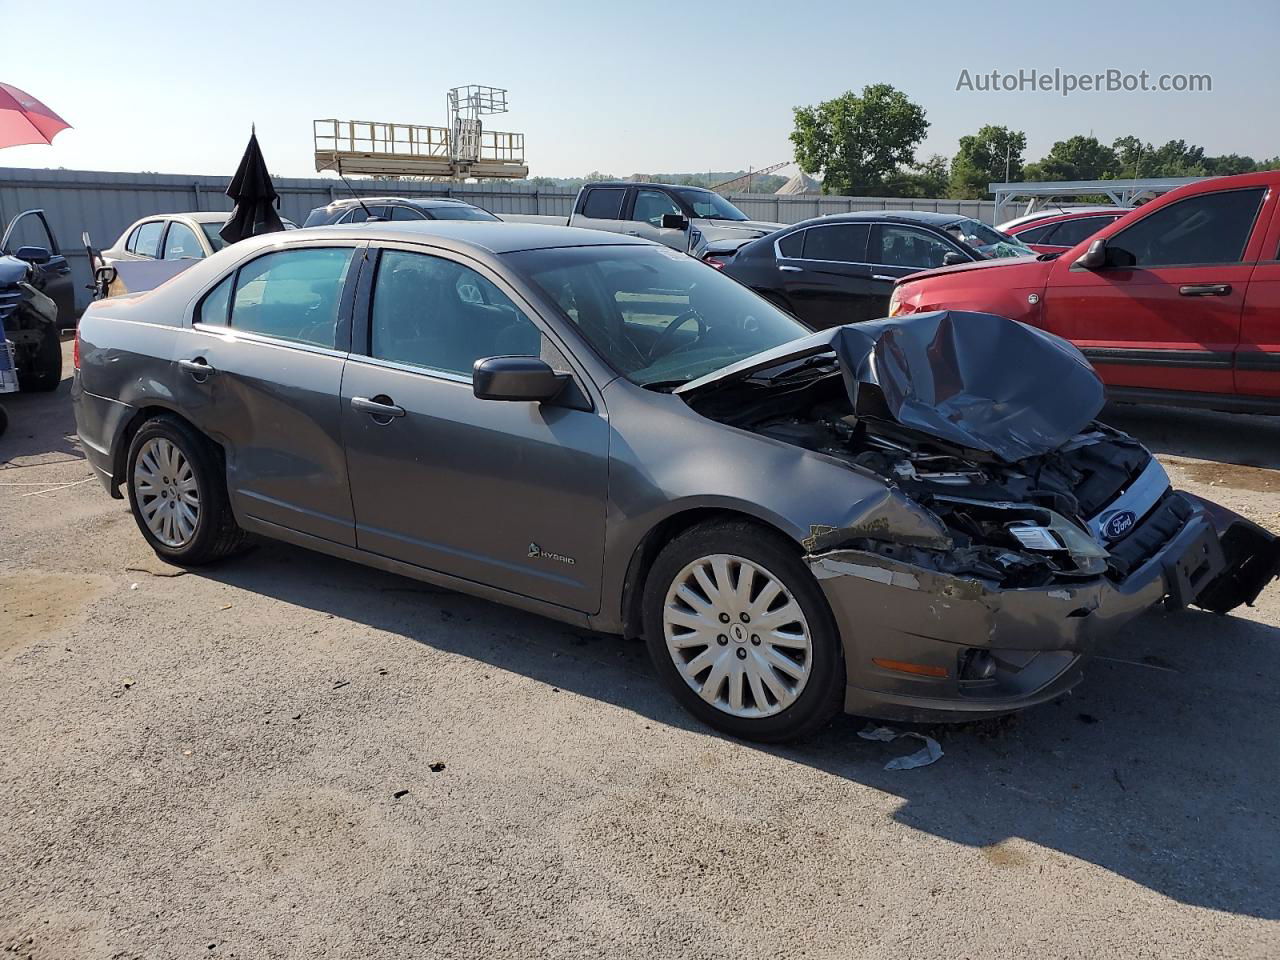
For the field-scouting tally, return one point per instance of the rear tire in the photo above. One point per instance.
(178, 493)
(729, 605)
(45, 371)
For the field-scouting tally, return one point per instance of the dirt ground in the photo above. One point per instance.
(291, 756)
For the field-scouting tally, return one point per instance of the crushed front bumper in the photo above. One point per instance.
(1037, 638)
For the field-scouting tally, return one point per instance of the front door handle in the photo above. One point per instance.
(379, 407)
(1205, 290)
(881, 276)
(198, 368)
(786, 268)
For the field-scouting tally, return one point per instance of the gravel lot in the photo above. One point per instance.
(292, 756)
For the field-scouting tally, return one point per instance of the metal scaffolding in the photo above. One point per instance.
(1123, 193)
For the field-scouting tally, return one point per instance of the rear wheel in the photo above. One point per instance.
(44, 372)
(178, 494)
(739, 631)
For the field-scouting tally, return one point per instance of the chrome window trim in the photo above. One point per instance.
(434, 373)
(779, 255)
(233, 333)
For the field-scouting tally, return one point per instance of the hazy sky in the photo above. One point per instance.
(620, 88)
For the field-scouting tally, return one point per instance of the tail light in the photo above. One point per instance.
(75, 349)
(713, 261)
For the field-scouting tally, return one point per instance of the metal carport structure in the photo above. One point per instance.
(1121, 192)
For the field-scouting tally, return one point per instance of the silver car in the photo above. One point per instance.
(914, 519)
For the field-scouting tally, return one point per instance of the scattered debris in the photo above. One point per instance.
(929, 753)
(226, 606)
(340, 684)
(133, 586)
(436, 767)
(399, 793)
(1115, 774)
(128, 682)
(297, 716)
(171, 572)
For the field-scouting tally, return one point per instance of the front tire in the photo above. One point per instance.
(178, 494)
(741, 634)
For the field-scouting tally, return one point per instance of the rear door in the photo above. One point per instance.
(1258, 357)
(507, 494)
(1165, 315)
(260, 370)
(31, 228)
(826, 277)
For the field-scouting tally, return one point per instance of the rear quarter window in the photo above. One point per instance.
(603, 203)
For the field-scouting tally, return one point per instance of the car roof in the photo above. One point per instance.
(646, 183)
(1045, 214)
(489, 236)
(413, 201)
(1112, 211)
(926, 217)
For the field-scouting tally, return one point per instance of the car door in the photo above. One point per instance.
(508, 494)
(825, 276)
(648, 207)
(260, 368)
(600, 208)
(1257, 371)
(1164, 314)
(31, 229)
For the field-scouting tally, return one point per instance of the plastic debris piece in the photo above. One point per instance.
(926, 755)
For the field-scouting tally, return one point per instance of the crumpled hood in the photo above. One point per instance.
(12, 270)
(976, 380)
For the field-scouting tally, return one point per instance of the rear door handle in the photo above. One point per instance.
(198, 368)
(1205, 290)
(786, 268)
(881, 276)
(376, 407)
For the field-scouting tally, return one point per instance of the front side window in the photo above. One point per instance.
(292, 294)
(29, 230)
(988, 241)
(435, 313)
(181, 243)
(652, 205)
(1205, 229)
(840, 242)
(897, 246)
(603, 203)
(146, 239)
(656, 316)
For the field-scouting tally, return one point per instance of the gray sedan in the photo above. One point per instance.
(913, 519)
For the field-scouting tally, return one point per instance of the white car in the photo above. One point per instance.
(1057, 210)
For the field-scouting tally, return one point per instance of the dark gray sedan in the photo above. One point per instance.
(907, 519)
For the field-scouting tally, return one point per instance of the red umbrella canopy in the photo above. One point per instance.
(24, 119)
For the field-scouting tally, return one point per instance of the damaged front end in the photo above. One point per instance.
(1058, 529)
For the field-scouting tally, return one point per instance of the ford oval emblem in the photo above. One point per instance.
(1118, 524)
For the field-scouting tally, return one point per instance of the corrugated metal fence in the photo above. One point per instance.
(105, 203)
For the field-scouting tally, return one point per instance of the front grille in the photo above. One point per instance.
(1150, 535)
(10, 297)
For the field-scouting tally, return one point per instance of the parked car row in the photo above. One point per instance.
(598, 429)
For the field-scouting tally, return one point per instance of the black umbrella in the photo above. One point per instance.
(256, 199)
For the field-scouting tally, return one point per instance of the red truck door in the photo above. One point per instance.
(1164, 312)
(1258, 359)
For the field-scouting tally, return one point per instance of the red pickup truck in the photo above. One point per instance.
(1176, 302)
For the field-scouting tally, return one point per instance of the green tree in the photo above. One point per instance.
(926, 179)
(992, 155)
(858, 142)
(1076, 158)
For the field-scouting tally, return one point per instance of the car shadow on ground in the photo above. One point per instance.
(1246, 440)
(1160, 768)
(29, 437)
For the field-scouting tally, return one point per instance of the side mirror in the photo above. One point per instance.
(529, 379)
(33, 254)
(675, 221)
(953, 258)
(1095, 258)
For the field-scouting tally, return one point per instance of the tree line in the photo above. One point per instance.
(865, 145)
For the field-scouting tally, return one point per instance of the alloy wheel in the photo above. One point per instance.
(168, 497)
(737, 636)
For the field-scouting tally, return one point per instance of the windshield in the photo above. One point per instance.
(988, 241)
(658, 317)
(459, 212)
(710, 206)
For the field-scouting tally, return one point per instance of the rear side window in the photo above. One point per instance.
(145, 241)
(842, 242)
(407, 213)
(1071, 232)
(792, 245)
(1036, 234)
(1205, 229)
(603, 204)
(181, 243)
(213, 309)
(291, 294)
